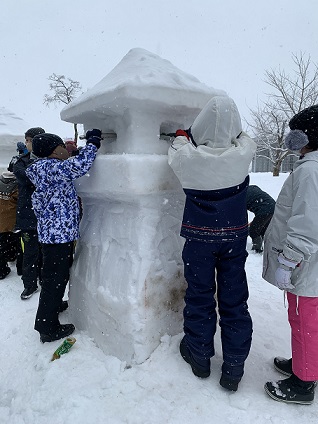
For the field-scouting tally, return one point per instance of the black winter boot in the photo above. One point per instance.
(231, 376)
(257, 244)
(291, 390)
(229, 383)
(64, 306)
(62, 331)
(28, 292)
(200, 367)
(5, 273)
(284, 366)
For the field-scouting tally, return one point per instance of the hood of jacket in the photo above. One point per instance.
(218, 124)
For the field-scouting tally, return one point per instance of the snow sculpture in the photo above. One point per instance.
(127, 283)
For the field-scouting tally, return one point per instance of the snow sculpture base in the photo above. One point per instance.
(127, 279)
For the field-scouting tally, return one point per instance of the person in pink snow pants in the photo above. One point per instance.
(291, 261)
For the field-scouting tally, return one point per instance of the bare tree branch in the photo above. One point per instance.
(64, 91)
(292, 93)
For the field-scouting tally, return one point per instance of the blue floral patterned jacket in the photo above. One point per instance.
(55, 201)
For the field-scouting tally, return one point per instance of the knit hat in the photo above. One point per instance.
(304, 130)
(34, 131)
(44, 144)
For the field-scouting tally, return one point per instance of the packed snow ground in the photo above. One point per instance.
(86, 386)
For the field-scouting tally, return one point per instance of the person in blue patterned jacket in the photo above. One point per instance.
(56, 206)
(211, 160)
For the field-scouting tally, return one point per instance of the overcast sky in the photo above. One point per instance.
(225, 44)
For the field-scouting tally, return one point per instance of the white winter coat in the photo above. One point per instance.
(223, 153)
(293, 229)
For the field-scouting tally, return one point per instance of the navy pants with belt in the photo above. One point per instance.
(215, 273)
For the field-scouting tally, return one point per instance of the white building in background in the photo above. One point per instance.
(12, 129)
(127, 282)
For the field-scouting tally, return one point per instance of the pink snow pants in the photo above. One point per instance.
(303, 320)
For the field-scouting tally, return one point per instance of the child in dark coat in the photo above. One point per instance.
(56, 207)
(211, 161)
(26, 220)
(262, 205)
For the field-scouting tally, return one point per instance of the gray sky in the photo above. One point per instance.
(225, 44)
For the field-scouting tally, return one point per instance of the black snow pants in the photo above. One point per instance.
(32, 259)
(57, 260)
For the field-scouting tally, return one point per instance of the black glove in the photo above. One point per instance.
(94, 137)
(93, 133)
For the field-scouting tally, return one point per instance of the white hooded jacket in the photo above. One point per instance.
(213, 171)
(223, 153)
(293, 229)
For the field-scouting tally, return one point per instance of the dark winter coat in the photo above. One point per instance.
(259, 202)
(26, 219)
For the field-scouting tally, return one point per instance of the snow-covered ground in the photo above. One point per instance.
(86, 386)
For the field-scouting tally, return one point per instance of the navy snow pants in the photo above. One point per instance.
(215, 273)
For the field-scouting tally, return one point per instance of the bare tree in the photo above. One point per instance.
(65, 90)
(270, 126)
(291, 95)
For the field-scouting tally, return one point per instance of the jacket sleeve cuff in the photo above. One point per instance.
(292, 254)
(179, 142)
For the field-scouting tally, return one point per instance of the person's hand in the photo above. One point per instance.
(182, 133)
(93, 133)
(284, 272)
(283, 278)
(20, 146)
(94, 137)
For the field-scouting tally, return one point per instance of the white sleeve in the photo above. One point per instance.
(302, 229)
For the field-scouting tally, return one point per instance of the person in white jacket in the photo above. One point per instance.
(211, 160)
(291, 261)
